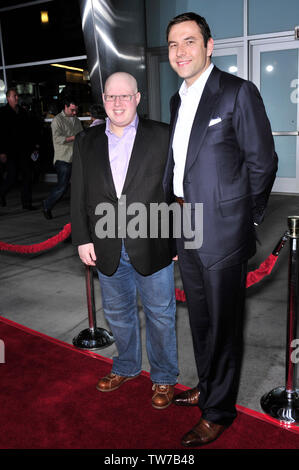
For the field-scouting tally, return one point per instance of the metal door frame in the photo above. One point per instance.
(283, 185)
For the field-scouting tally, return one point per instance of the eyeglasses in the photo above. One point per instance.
(121, 97)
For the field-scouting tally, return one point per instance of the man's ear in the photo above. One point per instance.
(138, 97)
(210, 47)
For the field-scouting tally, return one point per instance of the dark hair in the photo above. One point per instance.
(68, 100)
(97, 111)
(190, 16)
(9, 90)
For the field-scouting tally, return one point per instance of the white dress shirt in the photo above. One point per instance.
(190, 98)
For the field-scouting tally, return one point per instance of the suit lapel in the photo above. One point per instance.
(174, 111)
(141, 144)
(203, 116)
(101, 168)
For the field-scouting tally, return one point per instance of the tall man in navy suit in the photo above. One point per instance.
(222, 155)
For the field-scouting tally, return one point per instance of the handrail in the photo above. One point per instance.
(286, 133)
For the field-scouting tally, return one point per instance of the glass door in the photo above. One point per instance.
(229, 58)
(275, 71)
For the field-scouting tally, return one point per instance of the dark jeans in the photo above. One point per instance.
(119, 297)
(63, 170)
(13, 168)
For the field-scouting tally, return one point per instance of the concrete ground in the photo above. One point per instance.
(46, 292)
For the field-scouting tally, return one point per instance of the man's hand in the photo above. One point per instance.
(3, 158)
(70, 139)
(87, 254)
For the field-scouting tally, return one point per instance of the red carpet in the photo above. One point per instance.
(49, 401)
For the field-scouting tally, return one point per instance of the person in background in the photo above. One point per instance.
(18, 141)
(97, 115)
(65, 126)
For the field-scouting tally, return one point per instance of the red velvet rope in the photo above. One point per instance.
(264, 270)
(252, 277)
(46, 245)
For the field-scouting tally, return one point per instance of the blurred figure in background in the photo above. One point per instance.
(18, 142)
(97, 115)
(64, 127)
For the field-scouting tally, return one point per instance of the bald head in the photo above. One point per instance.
(121, 78)
(121, 98)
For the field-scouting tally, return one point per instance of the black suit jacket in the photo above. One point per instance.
(230, 167)
(19, 133)
(92, 184)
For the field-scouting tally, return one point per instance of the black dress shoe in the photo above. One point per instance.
(187, 398)
(202, 433)
(29, 207)
(47, 213)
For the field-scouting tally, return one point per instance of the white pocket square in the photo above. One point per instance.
(214, 121)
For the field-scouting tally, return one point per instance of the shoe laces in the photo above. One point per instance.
(160, 388)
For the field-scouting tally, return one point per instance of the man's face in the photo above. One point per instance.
(120, 113)
(71, 110)
(187, 53)
(13, 99)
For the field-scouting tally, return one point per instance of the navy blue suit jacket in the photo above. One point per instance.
(230, 167)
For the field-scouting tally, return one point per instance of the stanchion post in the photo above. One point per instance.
(90, 299)
(283, 402)
(93, 337)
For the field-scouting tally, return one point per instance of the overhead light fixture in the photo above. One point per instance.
(44, 17)
(67, 67)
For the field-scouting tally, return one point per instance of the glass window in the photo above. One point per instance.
(27, 39)
(227, 63)
(44, 86)
(270, 16)
(224, 18)
(286, 150)
(278, 71)
(41, 89)
(158, 15)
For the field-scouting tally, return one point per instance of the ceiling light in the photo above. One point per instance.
(67, 67)
(44, 17)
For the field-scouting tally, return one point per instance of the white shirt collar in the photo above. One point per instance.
(198, 85)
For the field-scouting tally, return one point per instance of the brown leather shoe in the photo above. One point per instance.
(112, 382)
(202, 433)
(163, 395)
(187, 398)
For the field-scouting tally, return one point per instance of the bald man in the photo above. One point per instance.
(117, 169)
